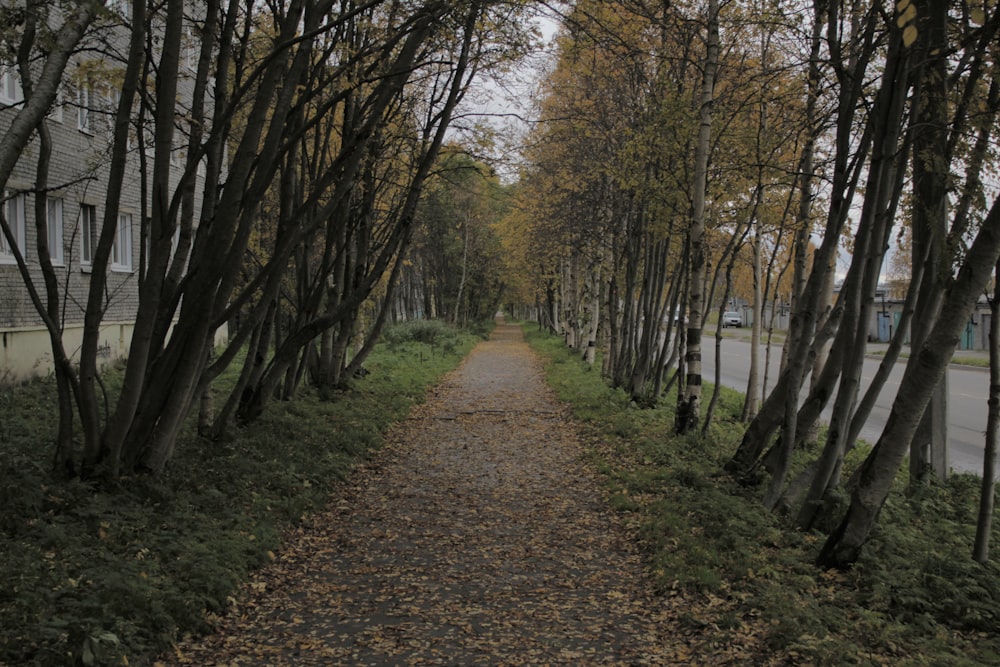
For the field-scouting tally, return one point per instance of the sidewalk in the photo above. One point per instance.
(477, 537)
(971, 359)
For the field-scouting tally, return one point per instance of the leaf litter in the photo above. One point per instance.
(477, 536)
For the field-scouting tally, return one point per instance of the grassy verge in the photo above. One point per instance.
(749, 587)
(959, 360)
(112, 577)
(971, 361)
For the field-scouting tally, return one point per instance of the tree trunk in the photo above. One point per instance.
(64, 464)
(592, 311)
(885, 182)
(456, 316)
(777, 408)
(160, 234)
(751, 401)
(888, 362)
(931, 173)
(258, 340)
(688, 417)
(717, 380)
(987, 494)
(923, 372)
(376, 330)
(39, 94)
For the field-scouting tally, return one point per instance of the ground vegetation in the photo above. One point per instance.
(97, 577)
(744, 581)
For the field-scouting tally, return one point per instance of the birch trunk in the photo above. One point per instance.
(688, 416)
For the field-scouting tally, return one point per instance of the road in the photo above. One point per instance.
(967, 386)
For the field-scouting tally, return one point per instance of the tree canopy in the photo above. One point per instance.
(691, 157)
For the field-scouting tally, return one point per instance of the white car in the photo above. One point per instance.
(731, 319)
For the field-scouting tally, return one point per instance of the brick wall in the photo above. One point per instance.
(78, 177)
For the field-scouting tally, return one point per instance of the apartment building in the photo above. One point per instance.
(80, 126)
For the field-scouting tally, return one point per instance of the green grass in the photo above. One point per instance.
(982, 362)
(915, 597)
(98, 577)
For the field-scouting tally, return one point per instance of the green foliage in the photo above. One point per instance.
(913, 571)
(915, 597)
(455, 242)
(435, 333)
(97, 576)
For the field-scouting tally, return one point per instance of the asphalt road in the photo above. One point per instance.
(968, 387)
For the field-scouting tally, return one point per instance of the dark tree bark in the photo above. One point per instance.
(923, 372)
(931, 170)
(780, 407)
(987, 494)
(39, 95)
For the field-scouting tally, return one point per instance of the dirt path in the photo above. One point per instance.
(476, 537)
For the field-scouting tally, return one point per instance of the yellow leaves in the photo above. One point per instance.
(906, 14)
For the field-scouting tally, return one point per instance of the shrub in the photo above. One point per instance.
(430, 332)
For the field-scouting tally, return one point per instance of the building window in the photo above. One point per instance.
(88, 225)
(114, 98)
(54, 221)
(121, 7)
(10, 86)
(190, 49)
(84, 112)
(121, 252)
(56, 112)
(13, 211)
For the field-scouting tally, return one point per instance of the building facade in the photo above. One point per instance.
(73, 202)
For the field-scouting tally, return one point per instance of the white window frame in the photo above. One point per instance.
(14, 212)
(54, 209)
(111, 98)
(191, 49)
(84, 108)
(11, 93)
(114, 98)
(121, 251)
(121, 7)
(87, 224)
(56, 112)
